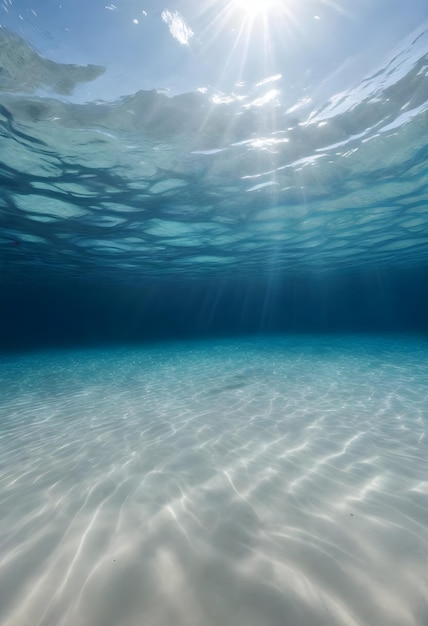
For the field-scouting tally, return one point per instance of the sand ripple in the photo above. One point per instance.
(280, 482)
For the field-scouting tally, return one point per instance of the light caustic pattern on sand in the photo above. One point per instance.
(280, 482)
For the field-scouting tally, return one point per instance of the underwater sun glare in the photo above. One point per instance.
(255, 8)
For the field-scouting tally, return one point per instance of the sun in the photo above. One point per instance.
(256, 8)
(253, 33)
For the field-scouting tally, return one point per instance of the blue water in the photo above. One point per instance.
(213, 313)
(191, 187)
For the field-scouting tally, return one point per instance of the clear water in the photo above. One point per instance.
(152, 187)
(261, 481)
(199, 171)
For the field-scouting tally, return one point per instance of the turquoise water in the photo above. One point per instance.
(260, 481)
(213, 313)
(199, 186)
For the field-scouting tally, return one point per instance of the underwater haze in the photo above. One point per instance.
(214, 313)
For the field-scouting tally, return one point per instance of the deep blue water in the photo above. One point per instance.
(189, 213)
(213, 314)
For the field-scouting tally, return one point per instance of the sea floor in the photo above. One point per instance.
(255, 482)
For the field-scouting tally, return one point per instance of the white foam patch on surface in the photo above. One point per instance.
(254, 482)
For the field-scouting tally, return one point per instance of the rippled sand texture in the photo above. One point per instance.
(255, 483)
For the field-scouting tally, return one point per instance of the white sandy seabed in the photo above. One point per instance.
(279, 482)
